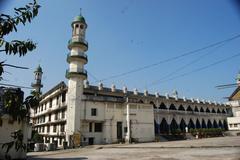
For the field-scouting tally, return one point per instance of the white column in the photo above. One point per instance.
(128, 135)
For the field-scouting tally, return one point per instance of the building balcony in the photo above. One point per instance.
(79, 57)
(78, 73)
(78, 42)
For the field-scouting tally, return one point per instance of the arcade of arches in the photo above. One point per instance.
(174, 116)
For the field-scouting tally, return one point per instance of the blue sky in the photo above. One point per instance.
(124, 35)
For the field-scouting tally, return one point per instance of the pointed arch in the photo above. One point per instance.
(198, 125)
(181, 108)
(182, 125)
(213, 110)
(223, 111)
(196, 109)
(191, 124)
(153, 104)
(215, 125)
(207, 110)
(162, 106)
(172, 107)
(218, 110)
(220, 124)
(204, 124)
(140, 101)
(201, 110)
(209, 124)
(189, 108)
(173, 125)
(164, 127)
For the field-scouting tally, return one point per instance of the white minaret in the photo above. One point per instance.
(37, 85)
(76, 74)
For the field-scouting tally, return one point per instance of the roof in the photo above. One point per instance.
(235, 95)
(38, 69)
(79, 19)
(58, 86)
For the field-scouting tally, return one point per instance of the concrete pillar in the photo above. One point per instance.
(128, 135)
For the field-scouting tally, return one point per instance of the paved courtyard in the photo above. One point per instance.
(224, 148)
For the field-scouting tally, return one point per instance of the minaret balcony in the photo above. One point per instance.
(82, 73)
(79, 57)
(78, 42)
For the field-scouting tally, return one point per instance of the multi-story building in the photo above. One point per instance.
(85, 114)
(234, 102)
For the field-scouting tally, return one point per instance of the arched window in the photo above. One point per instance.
(223, 111)
(162, 106)
(191, 124)
(164, 127)
(189, 108)
(218, 110)
(215, 125)
(172, 107)
(181, 108)
(201, 109)
(207, 110)
(198, 125)
(154, 106)
(182, 125)
(213, 110)
(173, 126)
(196, 109)
(204, 124)
(209, 124)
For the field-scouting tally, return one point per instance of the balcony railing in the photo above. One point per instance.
(78, 72)
(77, 41)
(76, 57)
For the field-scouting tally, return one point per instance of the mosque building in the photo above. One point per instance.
(84, 114)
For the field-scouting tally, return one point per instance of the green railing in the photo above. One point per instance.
(80, 56)
(75, 73)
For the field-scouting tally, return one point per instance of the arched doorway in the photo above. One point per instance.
(198, 125)
(182, 125)
(209, 124)
(191, 124)
(173, 126)
(220, 124)
(225, 125)
(164, 127)
(204, 124)
(215, 125)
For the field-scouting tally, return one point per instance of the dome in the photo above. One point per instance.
(38, 69)
(80, 19)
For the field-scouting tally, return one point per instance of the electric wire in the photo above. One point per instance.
(187, 65)
(201, 68)
(170, 59)
(12, 85)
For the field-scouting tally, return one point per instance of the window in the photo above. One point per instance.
(98, 127)
(94, 112)
(57, 100)
(41, 107)
(62, 127)
(49, 118)
(56, 116)
(63, 97)
(43, 129)
(43, 118)
(48, 129)
(90, 127)
(125, 129)
(63, 114)
(235, 125)
(50, 103)
(54, 128)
